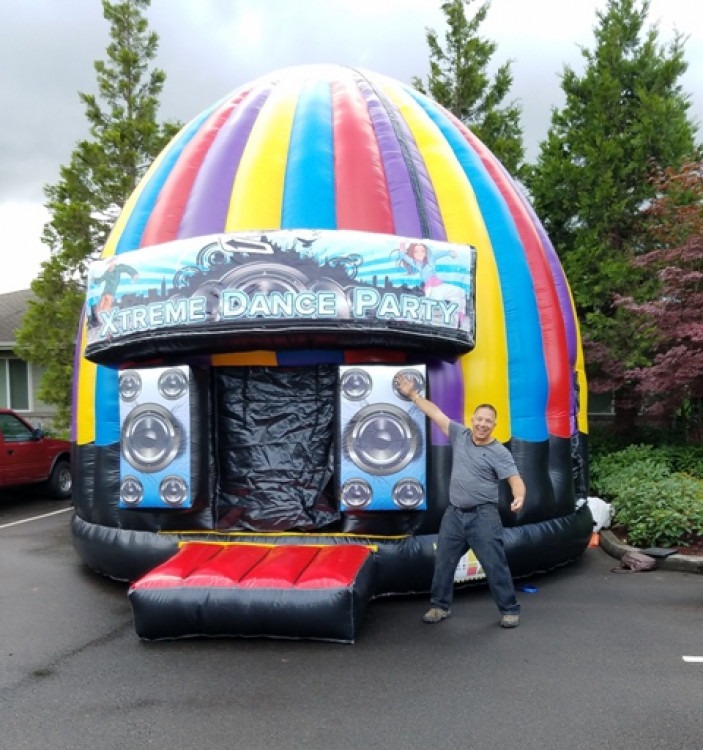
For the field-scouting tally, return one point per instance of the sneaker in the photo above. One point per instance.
(435, 614)
(509, 621)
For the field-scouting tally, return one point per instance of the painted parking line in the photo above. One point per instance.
(35, 518)
(695, 659)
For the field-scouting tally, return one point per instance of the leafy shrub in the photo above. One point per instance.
(634, 464)
(665, 512)
(657, 502)
(687, 459)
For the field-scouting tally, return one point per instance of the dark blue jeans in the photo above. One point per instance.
(481, 530)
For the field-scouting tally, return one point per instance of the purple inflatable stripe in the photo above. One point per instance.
(206, 211)
(560, 283)
(409, 189)
(403, 204)
(437, 230)
(406, 220)
(446, 385)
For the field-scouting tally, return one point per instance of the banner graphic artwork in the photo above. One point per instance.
(299, 279)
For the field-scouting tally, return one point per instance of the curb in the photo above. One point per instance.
(682, 563)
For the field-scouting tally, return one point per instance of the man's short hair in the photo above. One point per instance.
(487, 406)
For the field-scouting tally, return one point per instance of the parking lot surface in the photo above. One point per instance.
(597, 662)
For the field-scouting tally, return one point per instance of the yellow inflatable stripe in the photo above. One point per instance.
(281, 534)
(257, 194)
(580, 367)
(485, 369)
(85, 396)
(185, 543)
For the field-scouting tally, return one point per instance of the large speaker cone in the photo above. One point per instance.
(381, 439)
(151, 437)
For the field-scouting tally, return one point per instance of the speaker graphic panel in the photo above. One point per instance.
(155, 439)
(381, 448)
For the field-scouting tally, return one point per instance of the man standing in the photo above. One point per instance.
(472, 520)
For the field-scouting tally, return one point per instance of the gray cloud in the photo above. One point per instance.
(210, 47)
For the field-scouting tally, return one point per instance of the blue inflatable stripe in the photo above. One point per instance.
(310, 357)
(107, 406)
(527, 371)
(308, 191)
(134, 228)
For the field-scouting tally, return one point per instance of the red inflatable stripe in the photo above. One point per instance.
(361, 190)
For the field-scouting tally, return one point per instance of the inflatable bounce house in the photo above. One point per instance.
(242, 457)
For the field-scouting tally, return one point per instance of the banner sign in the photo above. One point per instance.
(206, 290)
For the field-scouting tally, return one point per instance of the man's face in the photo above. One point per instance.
(482, 424)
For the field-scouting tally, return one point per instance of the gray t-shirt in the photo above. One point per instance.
(476, 469)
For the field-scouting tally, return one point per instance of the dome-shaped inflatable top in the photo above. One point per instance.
(326, 147)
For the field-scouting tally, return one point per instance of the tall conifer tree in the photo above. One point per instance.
(459, 80)
(85, 203)
(625, 116)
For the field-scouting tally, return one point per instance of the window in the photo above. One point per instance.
(600, 403)
(14, 384)
(13, 430)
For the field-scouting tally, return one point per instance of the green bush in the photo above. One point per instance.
(663, 513)
(687, 459)
(657, 502)
(634, 464)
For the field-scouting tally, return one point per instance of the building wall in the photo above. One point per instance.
(19, 381)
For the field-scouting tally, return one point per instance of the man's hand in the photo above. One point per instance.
(405, 385)
(518, 490)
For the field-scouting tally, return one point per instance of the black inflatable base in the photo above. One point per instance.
(248, 590)
(403, 565)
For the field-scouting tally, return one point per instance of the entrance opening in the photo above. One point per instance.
(274, 448)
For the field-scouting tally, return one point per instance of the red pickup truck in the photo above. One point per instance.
(28, 456)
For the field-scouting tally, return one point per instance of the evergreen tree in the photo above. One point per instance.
(624, 118)
(93, 187)
(459, 81)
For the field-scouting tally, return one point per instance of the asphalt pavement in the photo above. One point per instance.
(600, 660)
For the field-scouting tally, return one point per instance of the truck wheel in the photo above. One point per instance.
(61, 481)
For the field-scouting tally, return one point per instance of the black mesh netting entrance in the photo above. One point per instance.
(274, 438)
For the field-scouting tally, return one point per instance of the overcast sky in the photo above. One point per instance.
(211, 47)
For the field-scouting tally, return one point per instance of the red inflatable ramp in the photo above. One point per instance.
(255, 590)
